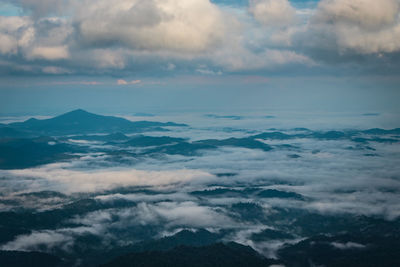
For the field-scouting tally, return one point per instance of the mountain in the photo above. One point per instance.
(347, 249)
(216, 255)
(144, 141)
(273, 193)
(198, 238)
(24, 153)
(8, 132)
(103, 138)
(82, 122)
(378, 131)
(268, 234)
(28, 259)
(236, 142)
(273, 136)
(182, 148)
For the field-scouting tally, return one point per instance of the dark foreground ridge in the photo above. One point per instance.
(28, 259)
(216, 255)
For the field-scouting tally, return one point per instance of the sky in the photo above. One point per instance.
(154, 55)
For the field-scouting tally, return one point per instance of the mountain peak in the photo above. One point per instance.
(78, 111)
(76, 114)
(80, 121)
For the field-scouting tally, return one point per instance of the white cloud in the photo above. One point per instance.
(179, 35)
(66, 180)
(124, 82)
(185, 213)
(38, 240)
(168, 214)
(272, 12)
(107, 58)
(8, 44)
(347, 245)
(185, 26)
(49, 52)
(15, 32)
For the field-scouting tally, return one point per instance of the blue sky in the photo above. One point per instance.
(331, 54)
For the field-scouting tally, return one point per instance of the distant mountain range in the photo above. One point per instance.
(80, 122)
(35, 142)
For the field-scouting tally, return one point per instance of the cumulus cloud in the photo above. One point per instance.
(8, 44)
(49, 52)
(15, 33)
(362, 13)
(272, 12)
(170, 37)
(193, 25)
(142, 35)
(361, 27)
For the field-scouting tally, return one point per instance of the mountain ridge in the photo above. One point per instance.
(80, 121)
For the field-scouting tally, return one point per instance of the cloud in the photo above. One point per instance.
(185, 26)
(244, 60)
(79, 82)
(37, 240)
(8, 45)
(272, 12)
(41, 8)
(146, 198)
(203, 70)
(123, 82)
(62, 179)
(106, 58)
(183, 214)
(49, 52)
(15, 33)
(135, 35)
(176, 37)
(365, 14)
(347, 245)
(169, 214)
(50, 240)
(334, 180)
(347, 28)
(55, 70)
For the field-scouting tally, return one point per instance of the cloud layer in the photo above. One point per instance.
(61, 178)
(106, 36)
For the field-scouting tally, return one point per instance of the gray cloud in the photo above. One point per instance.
(105, 37)
(359, 31)
(142, 35)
